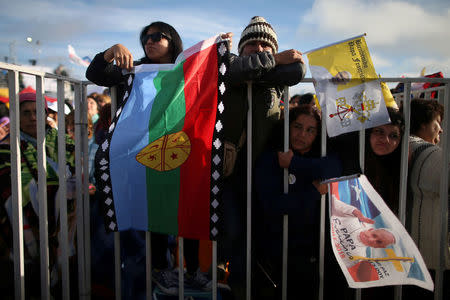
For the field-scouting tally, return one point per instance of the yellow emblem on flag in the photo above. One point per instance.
(166, 153)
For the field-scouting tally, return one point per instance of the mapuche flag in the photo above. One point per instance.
(160, 167)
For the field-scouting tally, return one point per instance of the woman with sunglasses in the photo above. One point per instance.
(161, 44)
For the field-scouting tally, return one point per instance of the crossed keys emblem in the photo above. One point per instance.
(361, 107)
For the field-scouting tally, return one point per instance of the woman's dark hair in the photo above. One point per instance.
(307, 98)
(175, 43)
(423, 112)
(276, 142)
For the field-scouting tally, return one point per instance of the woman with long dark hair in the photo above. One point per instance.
(162, 45)
(383, 157)
(301, 203)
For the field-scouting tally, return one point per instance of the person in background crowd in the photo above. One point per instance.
(70, 124)
(423, 209)
(102, 99)
(382, 168)
(28, 151)
(102, 125)
(301, 203)
(93, 109)
(294, 101)
(382, 158)
(307, 98)
(269, 70)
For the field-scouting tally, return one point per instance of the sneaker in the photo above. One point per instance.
(166, 280)
(197, 281)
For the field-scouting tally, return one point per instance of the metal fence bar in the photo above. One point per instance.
(86, 197)
(16, 185)
(443, 243)
(79, 195)
(117, 266)
(362, 145)
(62, 191)
(42, 188)
(322, 218)
(285, 191)
(404, 168)
(249, 193)
(117, 262)
(148, 264)
(214, 270)
(17, 193)
(180, 268)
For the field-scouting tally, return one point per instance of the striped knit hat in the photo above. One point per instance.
(259, 30)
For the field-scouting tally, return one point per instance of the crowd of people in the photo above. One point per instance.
(258, 61)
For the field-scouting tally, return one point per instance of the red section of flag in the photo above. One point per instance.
(201, 76)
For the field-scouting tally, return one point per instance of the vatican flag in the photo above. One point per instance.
(348, 88)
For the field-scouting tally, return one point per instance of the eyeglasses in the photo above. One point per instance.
(378, 132)
(155, 37)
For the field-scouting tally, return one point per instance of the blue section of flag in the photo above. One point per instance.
(129, 138)
(351, 192)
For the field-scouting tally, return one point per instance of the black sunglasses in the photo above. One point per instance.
(155, 36)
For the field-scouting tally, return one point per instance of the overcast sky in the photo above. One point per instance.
(403, 36)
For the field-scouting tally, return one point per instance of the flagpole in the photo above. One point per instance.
(332, 44)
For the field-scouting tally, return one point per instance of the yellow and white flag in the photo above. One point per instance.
(347, 86)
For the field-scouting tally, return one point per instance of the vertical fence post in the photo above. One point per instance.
(249, 193)
(322, 215)
(148, 264)
(16, 185)
(362, 147)
(62, 191)
(117, 263)
(42, 188)
(86, 196)
(404, 168)
(79, 172)
(285, 191)
(214, 270)
(180, 268)
(443, 192)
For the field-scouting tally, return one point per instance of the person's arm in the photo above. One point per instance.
(315, 168)
(250, 68)
(103, 72)
(282, 75)
(284, 68)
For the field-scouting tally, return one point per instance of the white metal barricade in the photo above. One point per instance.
(82, 194)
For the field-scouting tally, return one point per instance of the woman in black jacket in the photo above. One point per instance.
(161, 44)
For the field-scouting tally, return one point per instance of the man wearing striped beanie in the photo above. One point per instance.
(258, 35)
(269, 71)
